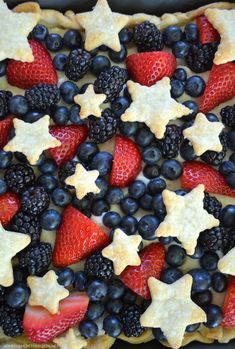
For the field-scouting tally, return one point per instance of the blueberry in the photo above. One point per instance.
(112, 326)
(181, 192)
(88, 329)
(129, 297)
(146, 202)
(20, 274)
(119, 105)
(170, 275)
(192, 106)
(72, 39)
(17, 295)
(187, 151)
(195, 86)
(3, 187)
(102, 162)
(231, 140)
(180, 49)
(191, 32)
(180, 74)
(158, 206)
(80, 281)
(175, 256)
(144, 137)
(40, 32)
(111, 219)
(18, 105)
(95, 310)
(177, 88)
(60, 115)
(214, 316)
(54, 42)
(32, 116)
(151, 171)
(48, 182)
(202, 298)
(103, 185)
(129, 205)
(103, 48)
(59, 61)
(48, 166)
(83, 88)
(156, 186)
(158, 334)
(227, 217)
(114, 196)
(99, 64)
(65, 277)
(137, 189)
(198, 253)
(87, 151)
(226, 167)
(129, 224)
(119, 56)
(94, 52)
(97, 290)
(147, 227)
(99, 207)
(230, 179)
(212, 117)
(125, 35)
(114, 306)
(192, 328)
(128, 129)
(50, 219)
(219, 282)
(171, 169)
(171, 35)
(116, 289)
(166, 240)
(209, 261)
(74, 115)
(3, 66)
(61, 197)
(201, 280)
(151, 155)
(68, 91)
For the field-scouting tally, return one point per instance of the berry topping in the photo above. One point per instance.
(99, 266)
(170, 143)
(212, 205)
(4, 99)
(147, 37)
(27, 224)
(215, 158)
(77, 65)
(5, 128)
(103, 128)
(19, 177)
(200, 57)
(130, 318)
(207, 33)
(228, 115)
(35, 200)
(229, 305)
(37, 258)
(214, 239)
(11, 320)
(42, 96)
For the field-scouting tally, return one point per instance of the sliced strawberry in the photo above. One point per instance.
(197, 172)
(149, 67)
(77, 238)
(41, 326)
(220, 86)
(126, 162)
(41, 70)
(152, 261)
(9, 205)
(229, 304)
(207, 33)
(5, 127)
(70, 137)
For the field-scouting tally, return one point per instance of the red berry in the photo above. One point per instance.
(207, 33)
(229, 304)
(9, 205)
(5, 127)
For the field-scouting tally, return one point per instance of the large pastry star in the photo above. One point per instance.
(224, 22)
(172, 309)
(10, 244)
(227, 263)
(102, 26)
(15, 28)
(90, 102)
(186, 217)
(70, 341)
(154, 106)
(32, 139)
(46, 291)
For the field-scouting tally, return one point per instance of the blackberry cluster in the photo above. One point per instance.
(77, 65)
(19, 177)
(228, 115)
(37, 258)
(200, 57)
(35, 200)
(42, 96)
(214, 239)
(103, 128)
(214, 158)
(130, 318)
(230, 242)
(99, 266)
(111, 82)
(212, 205)
(27, 224)
(66, 171)
(147, 37)
(170, 144)
(11, 320)
(4, 99)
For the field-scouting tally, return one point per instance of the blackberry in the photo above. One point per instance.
(11, 320)
(231, 241)
(99, 266)
(111, 82)
(130, 318)
(27, 224)
(147, 37)
(66, 171)
(170, 144)
(35, 200)
(2, 293)
(200, 57)
(19, 177)
(4, 99)
(214, 158)
(212, 205)
(42, 96)
(214, 239)
(36, 258)
(103, 128)
(228, 115)
(77, 65)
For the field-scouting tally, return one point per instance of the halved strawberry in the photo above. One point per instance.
(149, 67)
(70, 137)
(207, 33)
(77, 238)
(229, 304)
(126, 162)
(5, 127)
(152, 261)
(41, 326)
(9, 205)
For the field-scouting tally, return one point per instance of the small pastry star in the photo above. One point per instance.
(172, 309)
(70, 341)
(102, 26)
(186, 217)
(32, 139)
(227, 263)
(90, 102)
(46, 291)
(83, 181)
(10, 244)
(204, 135)
(15, 28)
(153, 105)
(123, 251)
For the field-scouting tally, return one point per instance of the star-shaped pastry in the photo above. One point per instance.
(123, 251)
(227, 263)
(10, 244)
(172, 309)
(83, 181)
(46, 291)
(204, 135)
(153, 105)
(186, 217)
(102, 26)
(15, 28)
(224, 22)
(32, 139)
(70, 341)
(90, 102)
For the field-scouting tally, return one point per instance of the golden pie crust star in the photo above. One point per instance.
(90, 102)
(227, 263)
(10, 244)
(46, 291)
(102, 26)
(123, 251)
(186, 217)
(32, 139)
(154, 106)
(70, 341)
(172, 309)
(83, 181)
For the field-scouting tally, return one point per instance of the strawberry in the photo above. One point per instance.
(41, 70)
(77, 238)
(149, 67)
(126, 162)
(152, 261)
(197, 172)
(9, 205)
(70, 137)
(207, 33)
(5, 127)
(220, 86)
(41, 326)
(229, 304)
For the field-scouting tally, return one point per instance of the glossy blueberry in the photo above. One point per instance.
(192, 328)
(3, 187)
(158, 205)
(125, 35)
(128, 129)
(144, 137)
(180, 74)
(50, 219)
(212, 117)
(17, 295)
(119, 105)
(119, 56)
(151, 155)
(61, 197)
(201, 280)
(3, 66)
(60, 115)
(177, 88)
(129, 205)
(231, 140)
(80, 281)
(175, 256)
(219, 282)
(214, 316)
(230, 179)
(18, 105)
(170, 275)
(48, 182)
(195, 86)
(59, 61)
(129, 297)
(228, 216)
(158, 334)
(114, 306)
(171, 35)
(68, 91)
(97, 290)
(95, 310)
(99, 207)
(147, 227)
(187, 151)
(192, 106)
(209, 261)
(151, 171)
(32, 116)
(39, 32)
(114, 196)
(48, 166)
(88, 329)
(65, 276)
(180, 49)
(202, 298)
(137, 189)
(54, 42)
(99, 64)
(191, 32)
(102, 162)
(156, 186)
(171, 169)
(198, 253)
(116, 289)
(72, 39)
(112, 326)
(74, 115)
(111, 219)
(166, 240)
(146, 202)
(129, 224)
(227, 167)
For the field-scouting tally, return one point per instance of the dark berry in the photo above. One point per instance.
(36, 258)
(125, 35)
(27, 224)
(111, 219)
(171, 35)
(180, 49)
(231, 140)
(119, 105)
(170, 143)
(170, 275)
(3, 68)
(129, 205)
(214, 239)
(128, 129)
(99, 206)
(151, 155)
(212, 117)
(180, 74)
(72, 39)
(95, 310)
(201, 280)
(65, 277)
(99, 64)
(214, 316)
(158, 334)
(17, 295)
(54, 42)
(228, 115)
(99, 266)
(187, 151)
(177, 88)
(202, 298)
(97, 290)
(137, 189)
(156, 186)
(74, 115)
(80, 281)
(59, 61)
(19, 177)
(33, 116)
(48, 166)
(66, 171)
(119, 56)
(130, 318)
(214, 158)
(60, 115)
(102, 162)
(35, 200)
(195, 86)
(11, 320)
(61, 197)
(151, 171)
(212, 205)
(87, 151)
(39, 32)
(50, 219)
(18, 105)
(230, 180)
(192, 328)
(42, 96)
(112, 326)
(191, 32)
(219, 282)
(68, 91)
(147, 226)
(103, 185)
(103, 128)
(144, 137)
(129, 224)
(209, 261)
(77, 65)
(228, 216)
(226, 167)
(193, 107)
(116, 289)
(48, 182)
(147, 37)
(158, 206)
(114, 306)
(5, 96)
(200, 57)
(3, 187)
(5, 159)
(171, 169)
(88, 329)
(175, 256)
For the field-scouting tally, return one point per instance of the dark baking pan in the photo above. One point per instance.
(157, 7)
